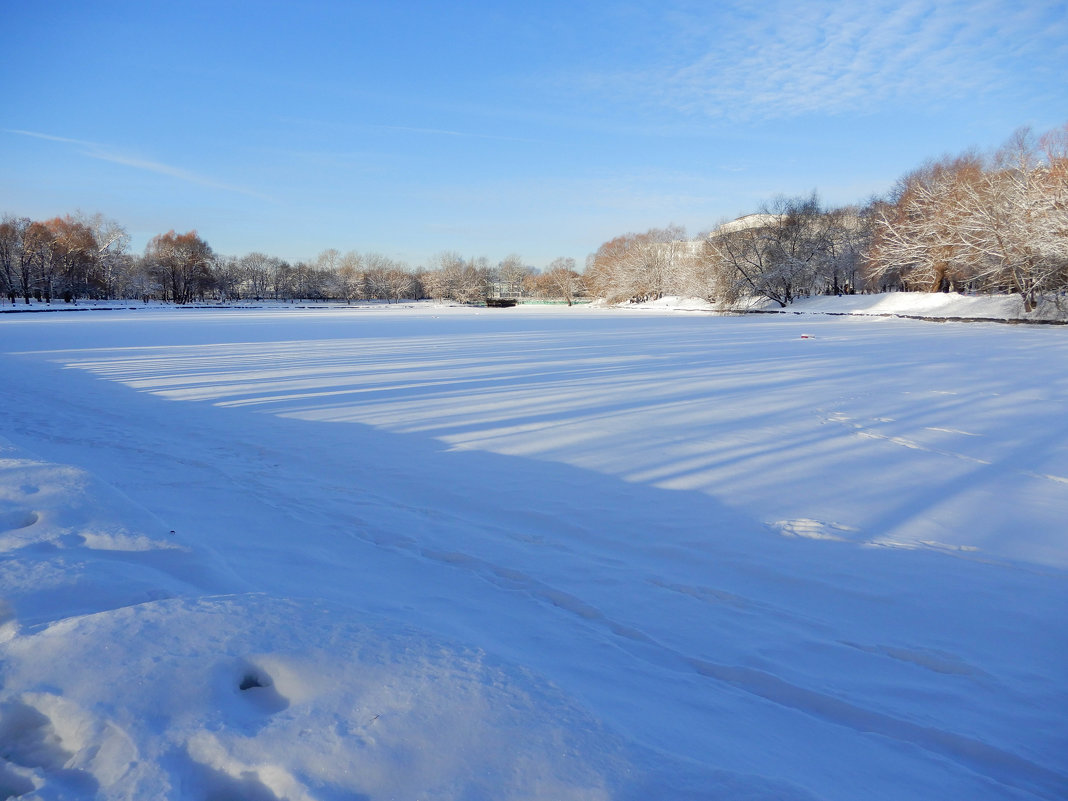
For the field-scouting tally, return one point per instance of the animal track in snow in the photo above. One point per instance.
(862, 430)
(33, 753)
(216, 784)
(222, 776)
(257, 688)
(61, 748)
(1000, 765)
(28, 738)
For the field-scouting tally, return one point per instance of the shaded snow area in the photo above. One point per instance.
(534, 553)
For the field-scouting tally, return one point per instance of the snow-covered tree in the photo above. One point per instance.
(997, 224)
(559, 281)
(182, 263)
(15, 271)
(646, 266)
(783, 253)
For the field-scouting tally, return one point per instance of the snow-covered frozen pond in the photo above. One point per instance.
(433, 552)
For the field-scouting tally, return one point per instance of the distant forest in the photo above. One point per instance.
(976, 222)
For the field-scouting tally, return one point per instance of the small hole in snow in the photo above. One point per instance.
(249, 681)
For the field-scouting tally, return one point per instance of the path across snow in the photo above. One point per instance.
(531, 553)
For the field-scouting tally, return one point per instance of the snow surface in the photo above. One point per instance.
(432, 552)
(933, 305)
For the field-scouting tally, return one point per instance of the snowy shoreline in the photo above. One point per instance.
(933, 307)
(927, 306)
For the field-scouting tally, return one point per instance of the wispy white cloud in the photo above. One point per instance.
(787, 59)
(50, 138)
(102, 152)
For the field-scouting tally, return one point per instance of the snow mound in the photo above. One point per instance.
(70, 544)
(259, 697)
(125, 677)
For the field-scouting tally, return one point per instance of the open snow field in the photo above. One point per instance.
(532, 553)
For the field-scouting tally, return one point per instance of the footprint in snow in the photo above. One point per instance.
(257, 689)
(34, 754)
(214, 773)
(28, 738)
(215, 784)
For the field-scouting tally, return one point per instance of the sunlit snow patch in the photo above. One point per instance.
(268, 698)
(815, 530)
(126, 676)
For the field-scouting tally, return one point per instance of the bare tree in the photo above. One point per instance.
(228, 276)
(1016, 224)
(645, 266)
(14, 266)
(400, 283)
(109, 241)
(256, 271)
(136, 279)
(457, 279)
(378, 269)
(284, 281)
(182, 263)
(919, 233)
(606, 272)
(348, 280)
(328, 260)
(848, 236)
(435, 284)
(562, 281)
(780, 255)
(41, 265)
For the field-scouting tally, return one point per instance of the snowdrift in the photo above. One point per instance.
(547, 553)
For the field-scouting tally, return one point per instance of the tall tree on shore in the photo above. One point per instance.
(14, 267)
(562, 281)
(182, 262)
(987, 224)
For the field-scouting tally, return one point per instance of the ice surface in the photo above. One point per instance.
(531, 553)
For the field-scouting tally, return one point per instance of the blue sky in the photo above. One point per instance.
(485, 128)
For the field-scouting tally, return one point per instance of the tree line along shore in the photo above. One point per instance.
(980, 223)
